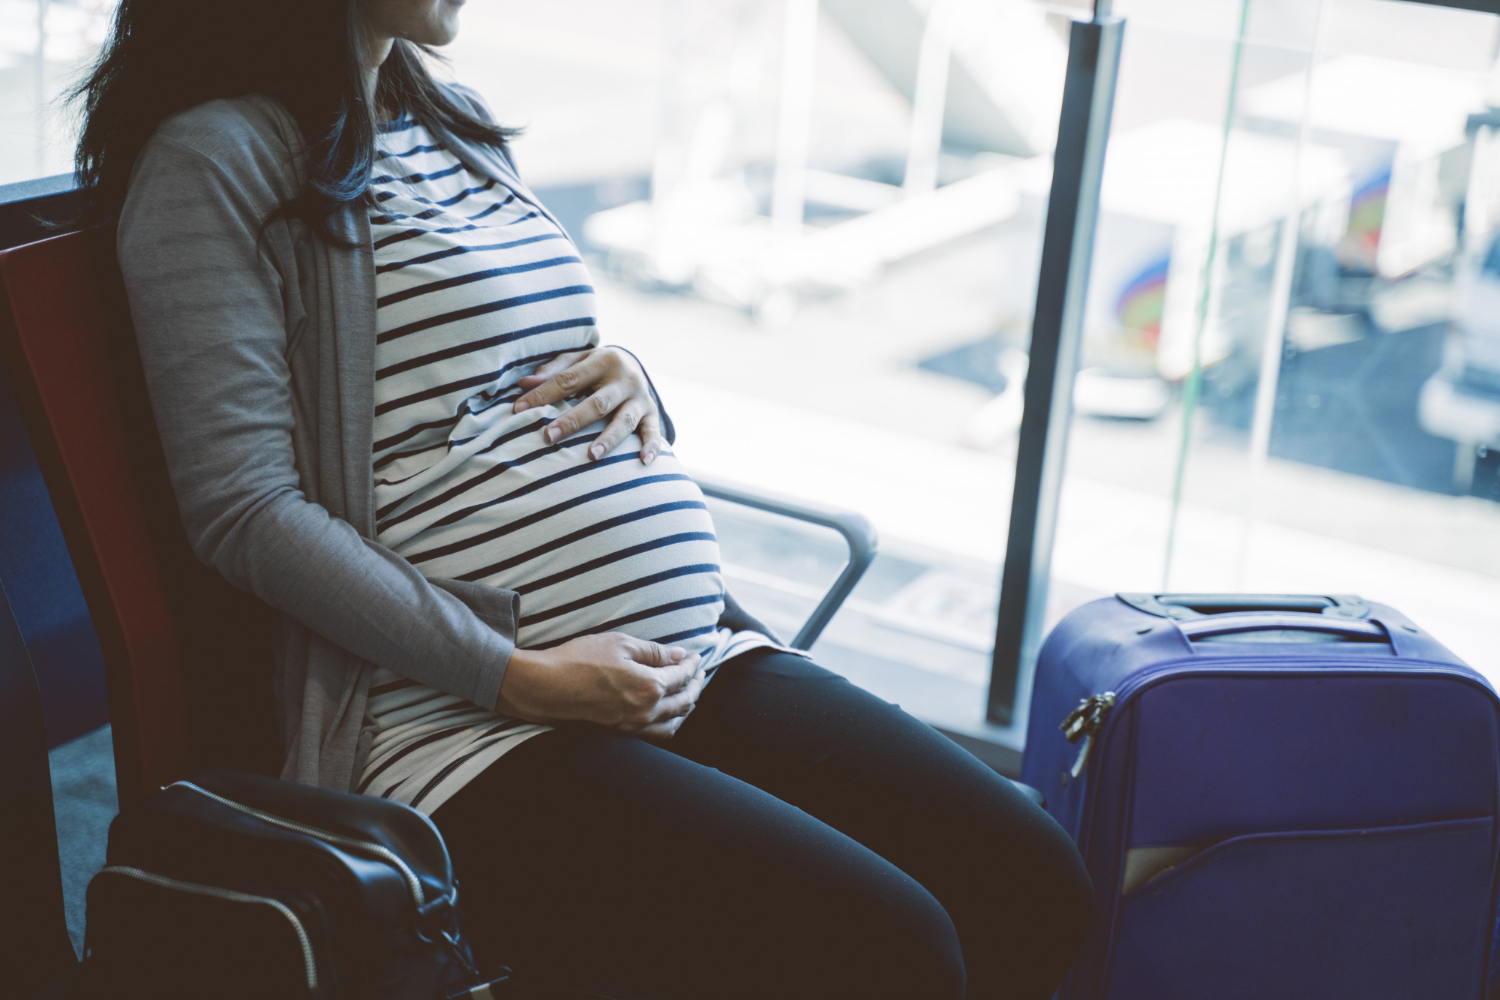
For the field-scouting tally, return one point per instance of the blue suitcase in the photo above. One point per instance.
(1277, 798)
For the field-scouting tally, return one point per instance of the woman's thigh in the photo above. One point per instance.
(611, 863)
(1006, 873)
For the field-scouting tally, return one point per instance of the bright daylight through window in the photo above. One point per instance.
(818, 223)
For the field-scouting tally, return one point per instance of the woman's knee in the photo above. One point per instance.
(1031, 904)
(1063, 893)
(900, 945)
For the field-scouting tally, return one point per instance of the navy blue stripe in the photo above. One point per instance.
(542, 515)
(562, 540)
(456, 764)
(498, 469)
(506, 394)
(696, 569)
(447, 447)
(415, 429)
(402, 753)
(479, 345)
(380, 689)
(609, 626)
(691, 633)
(411, 152)
(447, 444)
(531, 487)
(464, 279)
(506, 438)
(437, 390)
(485, 213)
(390, 217)
(480, 310)
(444, 203)
(411, 234)
(453, 251)
(613, 557)
(487, 185)
(399, 125)
(414, 178)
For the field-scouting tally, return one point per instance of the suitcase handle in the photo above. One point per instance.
(1187, 607)
(1260, 621)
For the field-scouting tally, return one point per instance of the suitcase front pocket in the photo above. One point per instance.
(1389, 912)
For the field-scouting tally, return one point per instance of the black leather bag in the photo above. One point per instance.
(232, 884)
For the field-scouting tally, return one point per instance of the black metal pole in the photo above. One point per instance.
(1057, 325)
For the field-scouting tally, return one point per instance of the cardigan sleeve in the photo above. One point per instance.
(213, 314)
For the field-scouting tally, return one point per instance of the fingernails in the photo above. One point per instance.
(521, 404)
(676, 653)
(553, 433)
(648, 457)
(596, 451)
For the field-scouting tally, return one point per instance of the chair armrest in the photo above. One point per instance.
(858, 534)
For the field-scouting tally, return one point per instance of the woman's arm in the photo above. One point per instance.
(212, 318)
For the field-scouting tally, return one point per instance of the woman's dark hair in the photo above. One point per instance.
(167, 55)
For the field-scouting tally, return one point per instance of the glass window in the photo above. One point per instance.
(1292, 371)
(43, 46)
(818, 224)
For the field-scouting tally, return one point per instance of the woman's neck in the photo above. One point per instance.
(377, 48)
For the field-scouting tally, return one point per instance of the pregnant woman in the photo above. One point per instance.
(376, 371)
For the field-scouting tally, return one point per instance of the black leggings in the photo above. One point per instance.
(798, 838)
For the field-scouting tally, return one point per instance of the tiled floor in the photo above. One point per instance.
(83, 798)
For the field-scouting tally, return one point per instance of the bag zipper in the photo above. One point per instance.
(309, 964)
(1088, 720)
(1084, 723)
(413, 883)
(1144, 677)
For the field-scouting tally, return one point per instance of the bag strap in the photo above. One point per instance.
(507, 988)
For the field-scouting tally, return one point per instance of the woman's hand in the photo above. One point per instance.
(630, 685)
(618, 392)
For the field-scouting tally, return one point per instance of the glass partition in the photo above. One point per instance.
(1292, 379)
(43, 45)
(815, 222)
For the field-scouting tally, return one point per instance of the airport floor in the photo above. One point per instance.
(84, 801)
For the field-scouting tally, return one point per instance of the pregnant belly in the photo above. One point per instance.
(612, 545)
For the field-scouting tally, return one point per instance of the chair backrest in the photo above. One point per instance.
(187, 657)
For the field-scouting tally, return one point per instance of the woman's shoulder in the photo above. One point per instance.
(470, 100)
(249, 135)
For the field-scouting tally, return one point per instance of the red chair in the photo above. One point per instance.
(181, 646)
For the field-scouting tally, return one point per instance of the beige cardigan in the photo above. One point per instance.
(258, 348)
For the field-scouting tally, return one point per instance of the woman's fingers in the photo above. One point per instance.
(548, 369)
(620, 395)
(598, 406)
(652, 441)
(676, 678)
(652, 654)
(672, 711)
(625, 420)
(562, 377)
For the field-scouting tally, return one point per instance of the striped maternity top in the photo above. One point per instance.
(476, 286)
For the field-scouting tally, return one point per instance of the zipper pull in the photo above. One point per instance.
(1083, 723)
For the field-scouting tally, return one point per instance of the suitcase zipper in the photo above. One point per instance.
(1087, 720)
(1084, 723)
(310, 965)
(352, 843)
